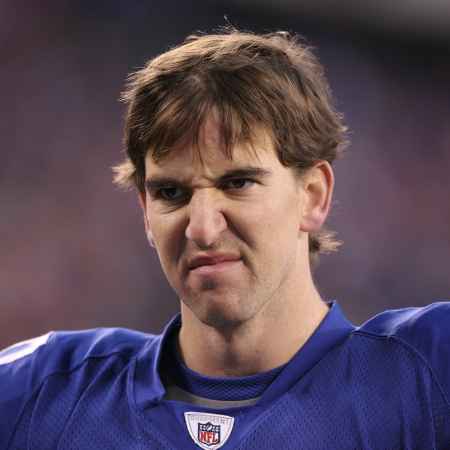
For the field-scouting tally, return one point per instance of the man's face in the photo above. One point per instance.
(226, 231)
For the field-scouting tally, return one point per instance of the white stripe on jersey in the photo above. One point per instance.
(22, 349)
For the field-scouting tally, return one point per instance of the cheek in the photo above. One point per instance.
(166, 236)
(273, 212)
(265, 225)
(278, 224)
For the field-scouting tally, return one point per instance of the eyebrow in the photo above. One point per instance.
(157, 181)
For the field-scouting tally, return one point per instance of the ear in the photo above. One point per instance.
(143, 202)
(318, 185)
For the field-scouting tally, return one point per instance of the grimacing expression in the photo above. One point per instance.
(227, 231)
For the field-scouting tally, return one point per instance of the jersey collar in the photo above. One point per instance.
(331, 332)
(145, 383)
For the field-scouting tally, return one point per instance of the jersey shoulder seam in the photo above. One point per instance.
(120, 353)
(412, 350)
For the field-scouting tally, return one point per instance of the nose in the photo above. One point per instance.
(206, 219)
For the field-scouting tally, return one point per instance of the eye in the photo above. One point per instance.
(170, 193)
(238, 183)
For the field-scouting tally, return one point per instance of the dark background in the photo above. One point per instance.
(73, 253)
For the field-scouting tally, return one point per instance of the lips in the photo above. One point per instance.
(211, 259)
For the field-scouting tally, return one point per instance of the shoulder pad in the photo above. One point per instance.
(426, 330)
(26, 365)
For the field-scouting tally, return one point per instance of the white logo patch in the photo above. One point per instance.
(209, 431)
(22, 349)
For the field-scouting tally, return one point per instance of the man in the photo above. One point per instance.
(230, 140)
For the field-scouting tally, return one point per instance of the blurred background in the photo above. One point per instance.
(73, 253)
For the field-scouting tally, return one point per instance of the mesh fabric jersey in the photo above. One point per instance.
(382, 386)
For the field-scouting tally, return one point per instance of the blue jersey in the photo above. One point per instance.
(382, 386)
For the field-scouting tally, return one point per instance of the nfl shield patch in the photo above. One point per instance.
(209, 431)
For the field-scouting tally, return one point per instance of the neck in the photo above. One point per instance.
(268, 340)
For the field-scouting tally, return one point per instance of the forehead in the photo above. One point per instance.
(209, 156)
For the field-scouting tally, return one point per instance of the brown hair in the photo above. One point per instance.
(270, 81)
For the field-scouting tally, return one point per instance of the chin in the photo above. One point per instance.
(223, 319)
(220, 311)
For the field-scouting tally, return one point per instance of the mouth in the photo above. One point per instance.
(213, 263)
(218, 267)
